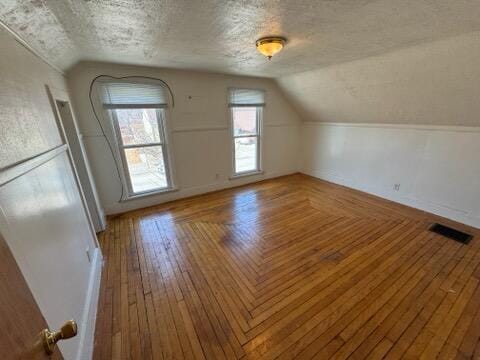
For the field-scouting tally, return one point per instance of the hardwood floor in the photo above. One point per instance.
(287, 268)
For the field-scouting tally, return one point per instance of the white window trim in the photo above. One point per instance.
(259, 136)
(166, 151)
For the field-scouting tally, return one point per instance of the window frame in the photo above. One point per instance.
(258, 136)
(161, 114)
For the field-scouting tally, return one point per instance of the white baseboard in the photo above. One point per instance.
(437, 209)
(87, 325)
(102, 219)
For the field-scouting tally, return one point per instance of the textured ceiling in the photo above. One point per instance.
(219, 35)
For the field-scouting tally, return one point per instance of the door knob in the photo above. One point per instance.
(50, 338)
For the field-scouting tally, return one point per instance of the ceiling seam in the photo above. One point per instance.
(27, 46)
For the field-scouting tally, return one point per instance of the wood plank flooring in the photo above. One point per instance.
(287, 268)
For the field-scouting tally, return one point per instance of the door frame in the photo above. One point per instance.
(77, 157)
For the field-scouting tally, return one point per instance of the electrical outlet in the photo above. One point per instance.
(396, 187)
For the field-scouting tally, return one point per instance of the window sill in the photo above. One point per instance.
(149, 193)
(245, 174)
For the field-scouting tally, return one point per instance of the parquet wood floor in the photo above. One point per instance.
(287, 268)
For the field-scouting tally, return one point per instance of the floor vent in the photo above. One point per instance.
(451, 233)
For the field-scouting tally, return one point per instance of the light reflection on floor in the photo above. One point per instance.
(245, 212)
(245, 208)
(237, 222)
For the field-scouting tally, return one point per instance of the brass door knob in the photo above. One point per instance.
(50, 338)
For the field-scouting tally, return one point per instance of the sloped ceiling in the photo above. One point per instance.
(219, 35)
(435, 83)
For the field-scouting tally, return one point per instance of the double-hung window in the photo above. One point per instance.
(246, 109)
(138, 113)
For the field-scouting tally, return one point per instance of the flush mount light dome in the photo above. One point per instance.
(269, 46)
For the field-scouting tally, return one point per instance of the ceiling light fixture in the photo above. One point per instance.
(269, 46)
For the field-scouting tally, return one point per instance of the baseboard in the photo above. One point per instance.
(87, 325)
(102, 219)
(437, 209)
(118, 208)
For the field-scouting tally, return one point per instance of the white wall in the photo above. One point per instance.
(438, 168)
(199, 132)
(42, 217)
(27, 124)
(360, 133)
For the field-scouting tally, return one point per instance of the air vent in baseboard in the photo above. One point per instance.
(451, 233)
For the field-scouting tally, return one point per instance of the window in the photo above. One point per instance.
(246, 108)
(138, 115)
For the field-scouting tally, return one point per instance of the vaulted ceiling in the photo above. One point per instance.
(219, 35)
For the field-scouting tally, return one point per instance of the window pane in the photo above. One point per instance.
(138, 126)
(245, 154)
(244, 121)
(146, 168)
